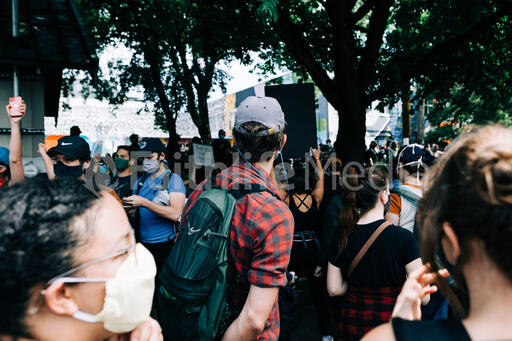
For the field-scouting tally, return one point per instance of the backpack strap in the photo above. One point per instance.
(366, 246)
(166, 179)
(243, 189)
(255, 188)
(410, 196)
(140, 184)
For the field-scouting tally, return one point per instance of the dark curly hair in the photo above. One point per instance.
(42, 223)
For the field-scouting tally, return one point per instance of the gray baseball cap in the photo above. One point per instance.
(264, 110)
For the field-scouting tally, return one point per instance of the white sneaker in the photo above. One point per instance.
(327, 338)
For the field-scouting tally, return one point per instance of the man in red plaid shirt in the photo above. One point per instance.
(262, 227)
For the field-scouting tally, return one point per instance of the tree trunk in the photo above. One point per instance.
(420, 135)
(165, 103)
(172, 146)
(406, 113)
(350, 143)
(204, 126)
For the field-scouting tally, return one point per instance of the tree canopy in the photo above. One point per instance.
(361, 51)
(356, 52)
(176, 45)
(469, 78)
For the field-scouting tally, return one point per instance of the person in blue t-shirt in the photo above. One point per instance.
(160, 197)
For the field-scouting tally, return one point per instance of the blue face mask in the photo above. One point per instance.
(63, 171)
(104, 169)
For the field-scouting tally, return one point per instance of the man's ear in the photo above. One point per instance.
(285, 138)
(58, 299)
(3, 168)
(131, 162)
(86, 164)
(161, 157)
(450, 243)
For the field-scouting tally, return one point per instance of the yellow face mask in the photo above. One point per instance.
(129, 295)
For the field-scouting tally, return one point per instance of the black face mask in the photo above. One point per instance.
(63, 171)
(456, 280)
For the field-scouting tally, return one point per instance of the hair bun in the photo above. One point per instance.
(492, 169)
(498, 182)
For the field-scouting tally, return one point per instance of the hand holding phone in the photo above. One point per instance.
(15, 108)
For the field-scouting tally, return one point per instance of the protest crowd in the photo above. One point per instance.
(411, 245)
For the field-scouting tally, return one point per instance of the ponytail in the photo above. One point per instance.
(360, 195)
(348, 217)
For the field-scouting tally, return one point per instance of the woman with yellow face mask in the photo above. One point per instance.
(70, 267)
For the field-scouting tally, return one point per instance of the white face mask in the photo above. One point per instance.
(150, 166)
(129, 295)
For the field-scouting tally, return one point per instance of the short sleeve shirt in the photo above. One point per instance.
(122, 186)
(154, 228)
(383, 265)
(405, 210)
(261, 238)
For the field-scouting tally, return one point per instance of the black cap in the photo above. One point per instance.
(73, 147)
(413, 153)
(75, 131)
(152, 144)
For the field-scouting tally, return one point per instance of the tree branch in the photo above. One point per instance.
(183, 74)
(291, 36)
(187, 72)
(160, 90)
(377, 27)
(442, 52)
(196, 69)
(363, 10)
(377, 94)
(338, 12)
(451, 45)
(361, 28)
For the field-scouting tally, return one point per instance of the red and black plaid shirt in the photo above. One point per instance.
(261, 238)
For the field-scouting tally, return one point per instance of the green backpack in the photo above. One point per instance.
(192, 295)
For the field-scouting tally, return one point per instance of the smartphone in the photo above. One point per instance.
(15, 106)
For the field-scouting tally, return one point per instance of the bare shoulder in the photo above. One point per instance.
(384, 332)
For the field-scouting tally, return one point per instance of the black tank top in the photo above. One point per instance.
(304, 221)
(442, 330)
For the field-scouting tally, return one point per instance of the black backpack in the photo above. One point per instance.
(192, 295)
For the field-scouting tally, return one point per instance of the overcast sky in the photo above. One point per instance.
(240, 76)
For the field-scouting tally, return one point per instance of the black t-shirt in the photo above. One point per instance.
(330, 233)
(122, 186)
(441, 330)
(222, 151)
(383, 265)
(371, 154)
